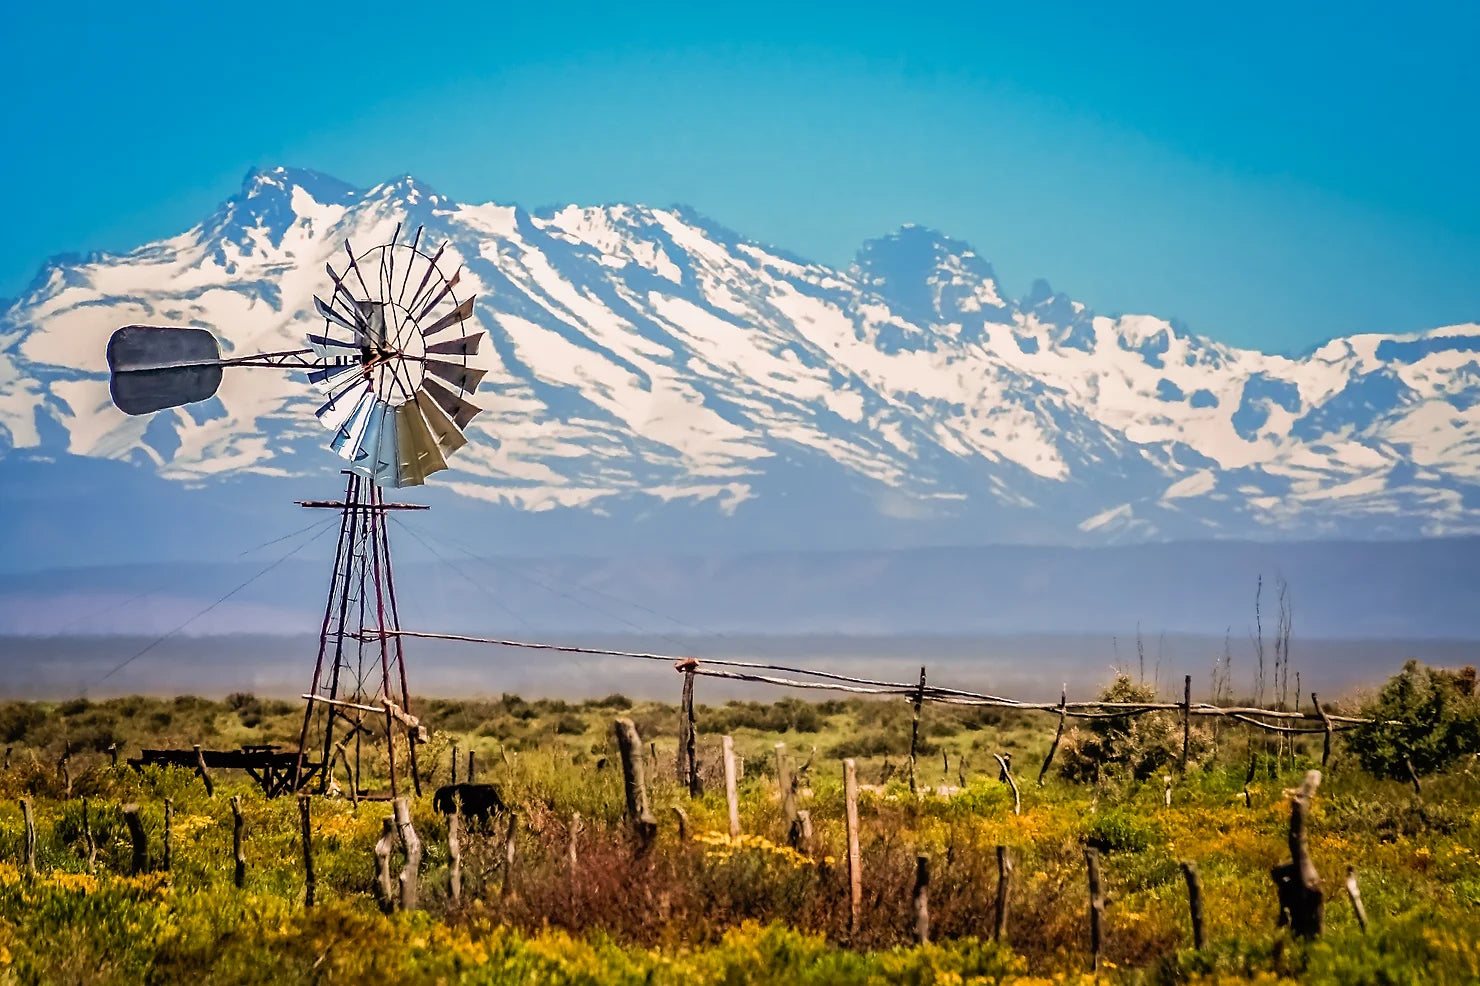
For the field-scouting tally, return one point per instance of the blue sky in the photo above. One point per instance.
(1272, 177)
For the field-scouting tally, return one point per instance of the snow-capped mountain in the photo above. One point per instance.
(651, 363)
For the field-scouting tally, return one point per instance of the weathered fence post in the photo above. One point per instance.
(788, 796)
(1355, 896)
(922, 899)
(471, 764)
(453, 778)
(1004, 887)
(1005, 762)
(634, 783)
(401, 808)
(511, 832)
(683, 823)
(688, 735)
(1326, 724)
(169, 838)
(30, 843)
(855, 862)
(140, 859)
(305, 825)
(1186, 717)
(804, 832)
(732, 795)
(1096, 907)
(87, 838)
(1298, 885)
(205, 775)
(1058, 734)
(918, 701)
(64, 769)
(454, 851)
(1412, 776)
(237, 824)
(1194, 901)
(384, 891)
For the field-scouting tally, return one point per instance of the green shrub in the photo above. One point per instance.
(1429, 716)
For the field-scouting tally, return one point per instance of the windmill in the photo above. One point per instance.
(391, 360)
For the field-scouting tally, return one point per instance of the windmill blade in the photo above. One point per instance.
(448, 435)
(338, 408)
(464, 378)
(327, 374)
(328, 348)
(431, 269)
(156, 366)
(332, 314)
(385, 459)
(347, 441)
(419, 453)
(340, 289)
(446, 290)
(459, 313)
(457, 408)
(466, 346)
(373, 312)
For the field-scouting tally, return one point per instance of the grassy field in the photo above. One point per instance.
(711, 909)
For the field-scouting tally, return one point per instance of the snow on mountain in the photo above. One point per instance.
(643, 358)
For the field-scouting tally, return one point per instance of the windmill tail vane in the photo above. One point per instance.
(391, 360)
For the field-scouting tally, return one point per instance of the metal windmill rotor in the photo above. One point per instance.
(389, 357)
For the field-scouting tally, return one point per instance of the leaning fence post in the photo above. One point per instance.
(305, 824)
(140, 859)
(639, 813)
(205, 775)
(169, 838)
(1194, 901)
(1326, 724)
(1058, 734)
(915, 727)
(1298, 885)
(1004, 887)
(30, 844)
(1355, 896)
(855, 862)
(922, 899)
(237, 824)
(1186, 717)
(1005, 762)
(732, 795)
(401, 808)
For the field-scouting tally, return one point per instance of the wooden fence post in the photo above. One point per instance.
(1355, 896)
(1298, 885)
(205, 775)
(471, 764)
(919, 700)
(683, 823)
(305, 825)
(688, 738)
(1186, 717)
(634, 783)
(855, 862)
(169, 838)
(922, 899)
(140, 859)
(238, 850)
(1194, 901)
(87, 838)
(30, 843)
(1004, 887)
(511, 832)
(454, 851)
(732, 795)
(1326, 723)
(384, 891)
(1005, 762)
(788, 796)
(1058, 734)
(401, 808)
(453, 778)
(1097, 903)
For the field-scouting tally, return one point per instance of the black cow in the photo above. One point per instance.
(479, 801)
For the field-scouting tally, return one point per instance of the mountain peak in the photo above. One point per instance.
(931, 278)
